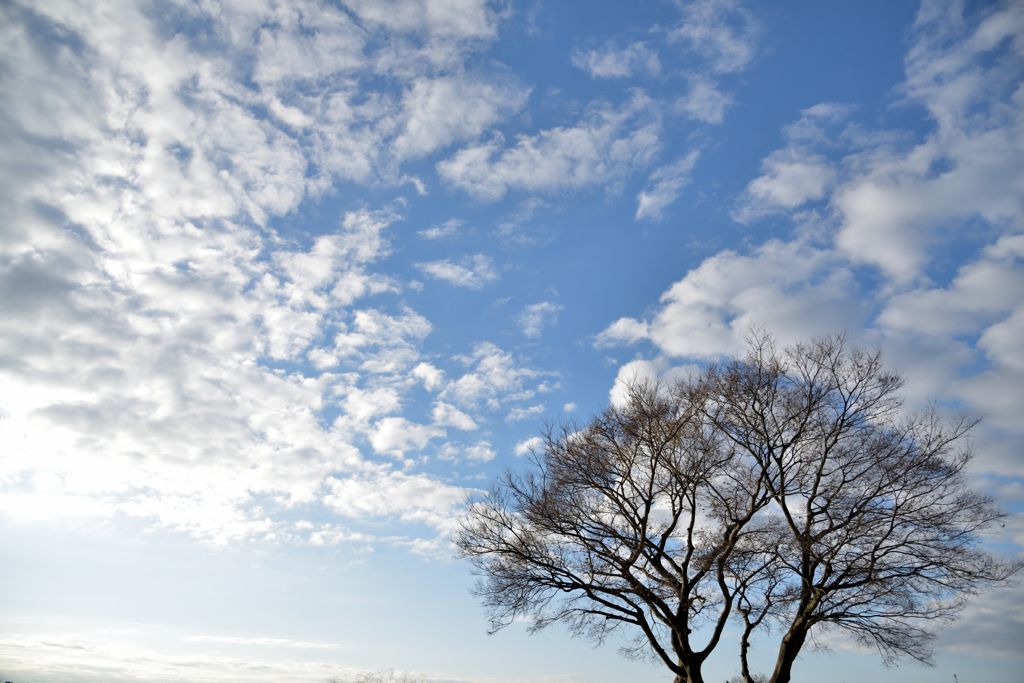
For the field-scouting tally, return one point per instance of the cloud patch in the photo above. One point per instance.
(610, 61)
(536, 317)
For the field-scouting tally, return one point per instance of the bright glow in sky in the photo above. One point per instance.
(282, 282)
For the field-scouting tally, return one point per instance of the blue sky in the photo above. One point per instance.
(282, 283)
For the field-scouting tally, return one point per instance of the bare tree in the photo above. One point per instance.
(786, 491)
(382, 676)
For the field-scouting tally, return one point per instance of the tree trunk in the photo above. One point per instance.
(693, 675)
(790, 648)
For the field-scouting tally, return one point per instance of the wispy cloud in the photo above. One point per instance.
(536, 317)
(722, 32)
(530, 412)
(610, 61)
(447, 229)
(603, 149)
(472, 271)
(667, 182)
(703, 101)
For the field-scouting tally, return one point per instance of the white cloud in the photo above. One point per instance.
(802, 290)
(898, 203)
(173, 371)
(446, 229)
(536, 317)
(634, 372)
(704, 101)
(895, 204)
(445, 414)
(520, 413)
(790, 180)
(412, 497)
(610, 61)
(601, 150)
(984, 291)
(668, 181)
(534, 443)
(989, 627)
(624, 331)
(430, 376)
(798, 174)
(473, 272)
(493, 380)
(302, 40)
(396, 435)
(481, 451)
(440, 111)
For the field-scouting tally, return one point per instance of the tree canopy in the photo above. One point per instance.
(786, 491)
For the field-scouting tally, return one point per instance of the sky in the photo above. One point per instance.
(281, 283)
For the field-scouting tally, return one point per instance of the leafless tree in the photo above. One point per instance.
(382, 676)
(786, 491)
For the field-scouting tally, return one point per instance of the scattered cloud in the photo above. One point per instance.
(185, 346)
(170, 320)
(888, 204)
